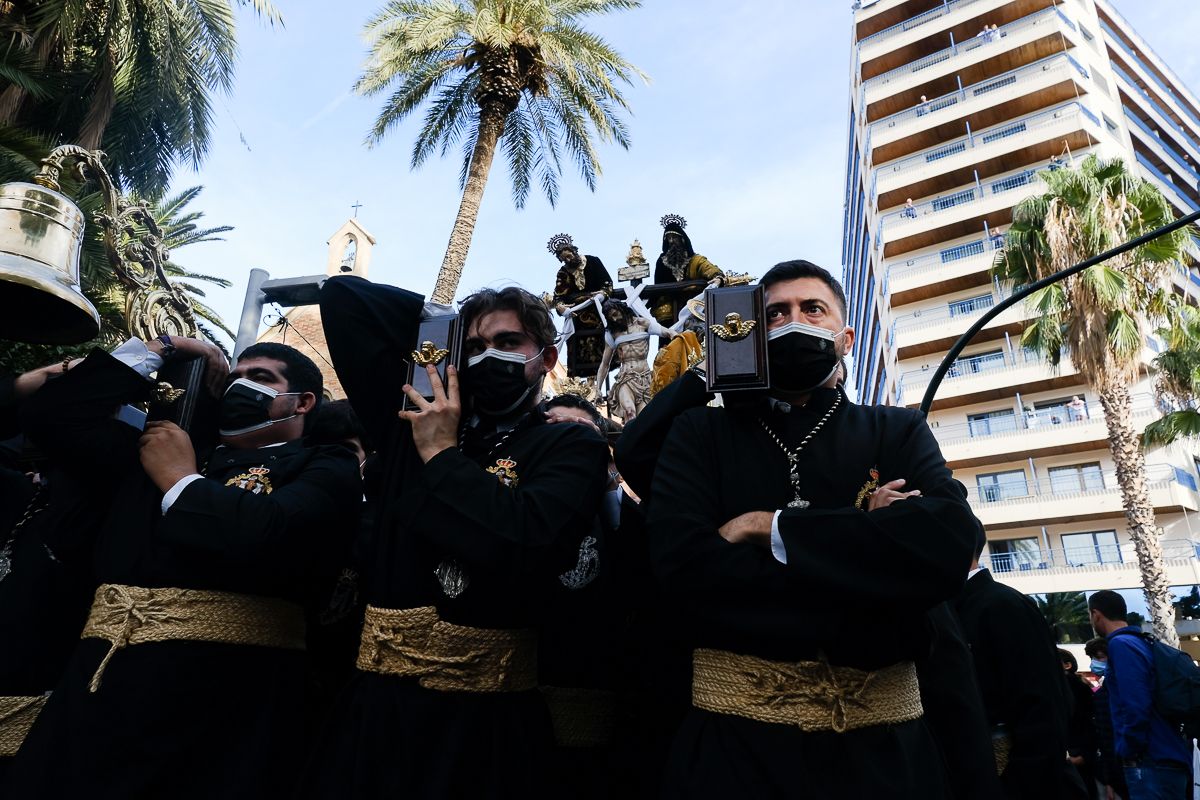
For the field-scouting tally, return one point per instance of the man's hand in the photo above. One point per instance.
(216, 367)
(753, 527)
(167, 454)
(435, 425)
(889, 493)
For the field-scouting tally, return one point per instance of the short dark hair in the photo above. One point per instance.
(794, 270)
(335, 422)
(1066, 656)
(575, 401)
(299, 370)
(1110, 605)
(534, 316)
(1097, 648)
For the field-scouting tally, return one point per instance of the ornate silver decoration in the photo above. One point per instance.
(453, 578)
(586, 568)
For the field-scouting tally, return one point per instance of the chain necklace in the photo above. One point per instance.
(793, 456)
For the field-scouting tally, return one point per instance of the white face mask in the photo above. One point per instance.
(503, 355)
(800, 327)
(246, 407)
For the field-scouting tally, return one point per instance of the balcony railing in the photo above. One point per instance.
(1146, 69)
(1158, 476)
(960, 310)
(1060, 64)
(1045, 17)
(1103, 556)
(920, 211)
(1158, 109)
(1156, 172)
(1042, 119)
(1054, 418)
(971, 367)
(917, 21)
(1179, 160)
(978, 249)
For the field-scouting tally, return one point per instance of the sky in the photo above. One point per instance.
(741, 129)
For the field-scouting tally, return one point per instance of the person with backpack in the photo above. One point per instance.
(1156, 756)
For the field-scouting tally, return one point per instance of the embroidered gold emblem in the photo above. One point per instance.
(429, 354)
(735, 328)
(867, 489)
(505, 472)
(253, 480)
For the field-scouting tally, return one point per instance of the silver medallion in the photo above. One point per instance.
(453, 578)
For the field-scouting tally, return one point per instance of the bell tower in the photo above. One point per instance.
(350, 250)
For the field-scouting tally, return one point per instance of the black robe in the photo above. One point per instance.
(1023, 688)
(389, 737)
(846, 568)
(187, 719)
(595, 279)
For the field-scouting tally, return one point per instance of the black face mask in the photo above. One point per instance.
(802, 357)
(246, 407)
(496, 382)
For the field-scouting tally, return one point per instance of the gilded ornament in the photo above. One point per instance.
(735, 328)
(429, 354)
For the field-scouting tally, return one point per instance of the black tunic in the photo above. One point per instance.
(846, 568)
(389, 737)
(1022, 685)
(178, 718)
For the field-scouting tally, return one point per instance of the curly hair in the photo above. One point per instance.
(530, 310)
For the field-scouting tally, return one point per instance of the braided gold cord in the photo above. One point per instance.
(129, 615)
(414, 643)
(812, 695)
(17, 715)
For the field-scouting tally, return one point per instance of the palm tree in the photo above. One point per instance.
(521, 74)
(1066, 613)
(1178, 378)
(180, 228)
(134, 79)
(1098, 316)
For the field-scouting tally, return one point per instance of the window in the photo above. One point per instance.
(1076, 478)
(1096, 547)
(1087, 35)
(1013, 554)
(971, 304)
(996, 486)
(992, 422)
(982, 362)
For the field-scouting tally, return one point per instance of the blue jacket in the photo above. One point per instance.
(1138, 730)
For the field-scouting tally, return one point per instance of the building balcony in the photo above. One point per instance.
(1134, 96)
(1044, 503)
(1173, 192)
(1168, 165)
(957, 214)
(1032, 38)
(953, 269)
(1052, 431)
(994, 151)
(1012, 95)
(925, 33)
(974, 380)
(1072, 571)
(935, 329)
(1146, 78)
(873, 16)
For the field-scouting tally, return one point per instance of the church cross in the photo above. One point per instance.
(357, 205)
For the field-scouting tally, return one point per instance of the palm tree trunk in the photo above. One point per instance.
(1126, 449)
(491, 126)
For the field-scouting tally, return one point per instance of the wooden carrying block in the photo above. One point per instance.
(439, 342)
(735, 338)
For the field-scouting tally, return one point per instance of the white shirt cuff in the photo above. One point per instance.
(777, 548)
(135, 355)
(173, 493)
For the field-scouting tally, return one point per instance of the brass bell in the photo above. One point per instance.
(41, 233)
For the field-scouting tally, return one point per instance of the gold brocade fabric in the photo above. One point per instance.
(1001, 748)
(581, 717)
(17, 715)
(414, 643)
(812, 695)
(129, 615)
(674, 360)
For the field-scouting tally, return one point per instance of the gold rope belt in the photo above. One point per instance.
(813, 695)
(128, 615)
(413, 642)
(16, 718)
(581, 717)
(1001, 748)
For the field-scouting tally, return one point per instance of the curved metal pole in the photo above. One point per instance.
(1017, 297)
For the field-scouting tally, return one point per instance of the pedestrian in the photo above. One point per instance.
(1109, 770)
(1081, 738)
(1157, 759)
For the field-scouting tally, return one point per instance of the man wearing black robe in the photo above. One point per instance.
(764, 570)
(189, 679)
(579, 277)
(482, 505)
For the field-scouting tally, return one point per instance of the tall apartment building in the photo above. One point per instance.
(955, 106)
